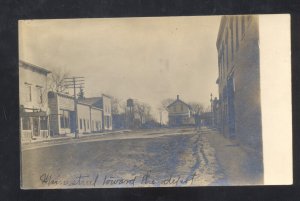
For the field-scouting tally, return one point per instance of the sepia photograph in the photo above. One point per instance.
(155, 102)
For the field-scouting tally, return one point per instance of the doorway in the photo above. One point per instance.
(231, 109)
(35, 127)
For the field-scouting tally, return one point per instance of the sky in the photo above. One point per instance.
(147, 58)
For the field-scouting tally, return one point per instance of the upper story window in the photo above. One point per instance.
(28, 95)
(226, 45)
(231, 39)
(243, 25)
(237, 32)
(39, 93)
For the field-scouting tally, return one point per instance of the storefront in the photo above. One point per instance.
(34, 125)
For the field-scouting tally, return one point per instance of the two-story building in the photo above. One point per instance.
(34, 121)
(104, 103)
(239, 80)
(180, 114)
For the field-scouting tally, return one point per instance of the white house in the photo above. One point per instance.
(180, 113)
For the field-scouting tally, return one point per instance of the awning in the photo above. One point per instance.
(33, 114)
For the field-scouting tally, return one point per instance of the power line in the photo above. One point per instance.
(75, 83)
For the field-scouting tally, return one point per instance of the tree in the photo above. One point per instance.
(142, 110)
(197, 108)
(115, 105)
(81, 94)
(165, 103)
(56, 80)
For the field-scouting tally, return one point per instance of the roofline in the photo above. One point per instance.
(221, 30)
(106, 95)
(90, 105)
(180, 101)
(62, 94)
(38, 68)
(93, 97)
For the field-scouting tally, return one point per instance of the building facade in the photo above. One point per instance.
(103, 103)
(239, 80)
(89, 118)
(180, 114)
(84, 118)
(34, 109)
(62, 113)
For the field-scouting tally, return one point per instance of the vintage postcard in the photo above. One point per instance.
(155, 102)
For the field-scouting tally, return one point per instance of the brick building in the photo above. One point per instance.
(239, 80)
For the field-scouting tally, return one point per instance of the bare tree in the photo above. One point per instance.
(197, 108)
(115, 105)
(165, 103)
(143, 111)
(56, 80)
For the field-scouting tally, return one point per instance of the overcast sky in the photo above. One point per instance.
(149, 59)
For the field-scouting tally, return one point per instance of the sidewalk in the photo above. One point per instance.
(71, 136)
(240, 166)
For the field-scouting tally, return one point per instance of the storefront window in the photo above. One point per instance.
(44, 123)
(64, 119)
(26, 123)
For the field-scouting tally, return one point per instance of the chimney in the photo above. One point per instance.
(177, 97)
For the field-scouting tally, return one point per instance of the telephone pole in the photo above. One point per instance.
(74, 83)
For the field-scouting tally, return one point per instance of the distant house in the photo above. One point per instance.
(33, 102)
(180, 113)
(104, 103)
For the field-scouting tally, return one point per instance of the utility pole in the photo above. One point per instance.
(74, 82)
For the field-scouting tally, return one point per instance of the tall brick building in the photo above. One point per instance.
(239, 80)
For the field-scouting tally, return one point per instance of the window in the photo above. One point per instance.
(67, 119)
(28, 92)
(237, 32)
(43, 123)
(243, 25)
(88, 124)
(26, 123)
(97, 126)
(227, 64)
(231, 39)
(107, 121)
(39, 93)
(80, 123)
(64, 119)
